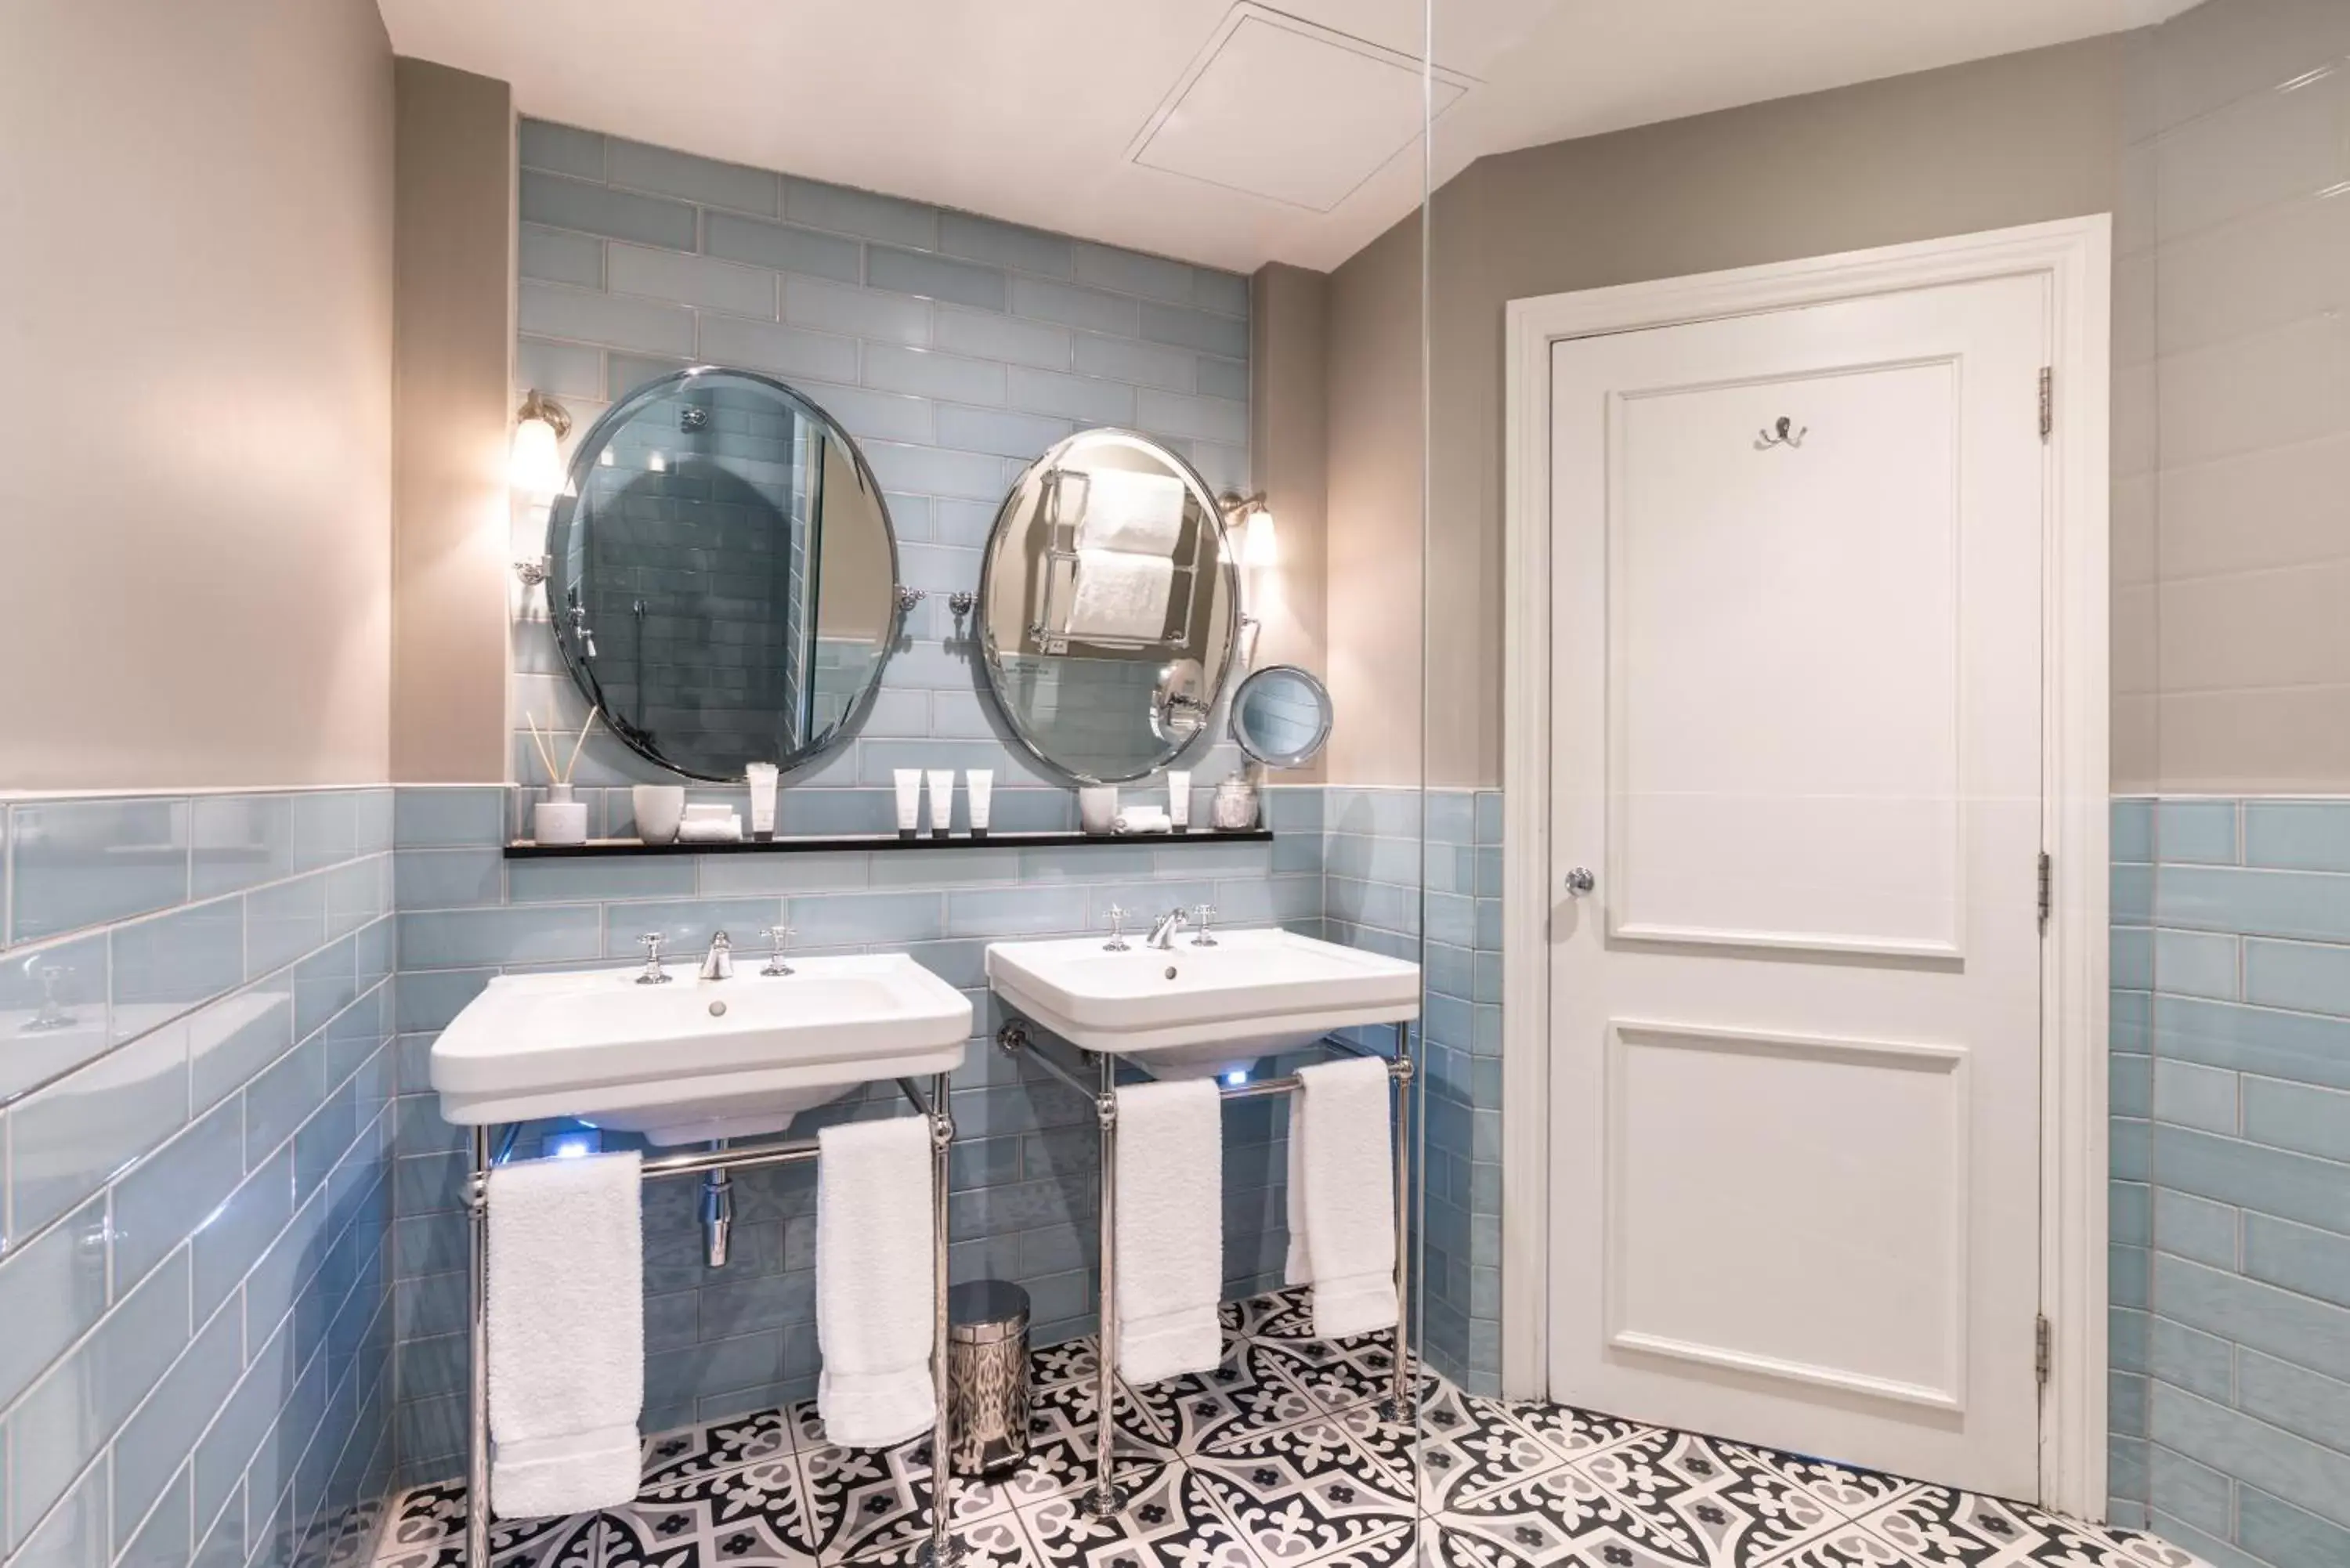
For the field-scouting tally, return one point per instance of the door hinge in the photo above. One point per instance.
(2047, 400)
(2047, 889)
(2042, 1338)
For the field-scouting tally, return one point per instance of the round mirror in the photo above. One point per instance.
(1280, 716)
(723, 577)
(1108, 607)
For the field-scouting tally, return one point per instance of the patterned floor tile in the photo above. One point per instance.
(1722, 1497)
(1561, 1516)
(716, 1445)
(1936, 1525)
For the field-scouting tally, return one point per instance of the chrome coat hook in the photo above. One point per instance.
(1786, 435)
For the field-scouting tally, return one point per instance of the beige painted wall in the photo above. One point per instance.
(453, 316)
(2015, 139)
(1289, 456)
(195, 328)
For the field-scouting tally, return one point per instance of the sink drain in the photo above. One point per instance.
(717, 1010)
(1171, 971)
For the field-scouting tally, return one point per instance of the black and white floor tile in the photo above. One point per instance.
(1281, 1457)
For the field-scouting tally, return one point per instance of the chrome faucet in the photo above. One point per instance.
(1163, 930)
(718, 964)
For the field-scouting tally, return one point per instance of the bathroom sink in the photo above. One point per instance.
(1193, 1010)
(694, 1059)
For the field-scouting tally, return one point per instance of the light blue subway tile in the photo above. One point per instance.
(2133, 1155)
(935, 472)
(1145, 902)
(830, 920)
(560, 369)
(1005, 340)
(565, 204)
(550, 310)
(52, 1289)
(2129, 1021)
(734, 874)
(58, 993)
(326, 827)
(233, 1240)
(447, 879)
(1384, 812)
(282, 1098)
(357, 892)
(939, 869)
(170, 1193)
(926, 373)
(562, 149)
(1194, 418)
(2299, 1117)
(167, 1536)
(1016, 911)
(825, 305)
(2131, 894)
(2189, 1359)
(2306, 977)
(2197, 1228)
(786, 350)
(865, 213)
(2290, 1185)
(239, 841)
(1005, 244)
(688, 925)
(1223, 378)
(456, 939)
(283, 922)
(783, 247)
(1073, 305)
(2256, 903)
(705, 181)
(935, 277)
(73, 1535)
(85, 862)
(1133, 272)
(1451, 816)
(1189, 329)
(1024, 436)
(68, 1139)
(1226, 293)
(375, 806)
(553, 255)
(2301, 1329)
(2127, 1280)
(430, 819)
(2284, 1466)
(2201, 831)
(324, 984)
(2195, 963)
(2313, 1263)
(2130, 1210)
(2194, 1492)
(2187, 1095)
(2132, 831)
(874, 416)
(85, 1398)
(2298, 835)
(1081, 398)
(2293, 1046)
(1140, 364)
(2275, 1532)
(580, 881)
(692, 280)
(2295, 1398)
(167, 965)
(2125, 1403)
(154, 1444)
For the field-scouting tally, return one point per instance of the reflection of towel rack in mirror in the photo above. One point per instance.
(1067, 492)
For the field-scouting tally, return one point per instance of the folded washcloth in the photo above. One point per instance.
(567, 1334)
(1122, 595)
(1141, 513)
(1142, 819)
(727, 829)
(1342, 1197)
(876, 1283)
(1170, 1229)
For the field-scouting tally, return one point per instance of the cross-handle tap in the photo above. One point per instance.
(778, 937)
(1117, 943)
(1163, 929)
(654, 974)
(718, 964)
(1201, 915)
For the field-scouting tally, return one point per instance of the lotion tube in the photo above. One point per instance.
(909, 800)
(941, 801)
(762, 777)
(981, 785)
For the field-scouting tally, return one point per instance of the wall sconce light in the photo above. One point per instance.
(1259, 544)
(536, 464)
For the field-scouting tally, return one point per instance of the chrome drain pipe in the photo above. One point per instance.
(717, 1211)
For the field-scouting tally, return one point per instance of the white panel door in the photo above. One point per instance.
(1795, 1019)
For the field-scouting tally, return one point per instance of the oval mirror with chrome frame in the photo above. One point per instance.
(1108, 607)
(1280, 716)
(723, 574)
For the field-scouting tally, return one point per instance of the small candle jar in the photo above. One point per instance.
(1235, 809)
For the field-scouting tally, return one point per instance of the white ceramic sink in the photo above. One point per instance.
(1194, 1010)
(694, 1059)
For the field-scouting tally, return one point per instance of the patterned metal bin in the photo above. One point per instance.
(987, 1375)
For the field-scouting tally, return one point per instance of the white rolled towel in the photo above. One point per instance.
(1143, 819)
(1342, 1197)
(1125, 509)
(1122, 595)
(876, 1276)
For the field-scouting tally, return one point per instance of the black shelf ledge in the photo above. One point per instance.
(854, 842)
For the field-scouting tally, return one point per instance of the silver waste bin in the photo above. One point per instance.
(987, 1375)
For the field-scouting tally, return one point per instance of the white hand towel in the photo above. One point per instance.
(726, 829)
(1142, 513)
(875, 1281)
(567, 1334)
(1170, 1229)
(1342, 1197)
(1142, 819)
(1122, 595)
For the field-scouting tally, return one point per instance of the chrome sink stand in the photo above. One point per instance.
(1104, 1499)
(941, 1550)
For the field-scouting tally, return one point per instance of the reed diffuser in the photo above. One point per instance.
(559, 819)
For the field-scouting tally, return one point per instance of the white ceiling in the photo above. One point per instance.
(1037, 110)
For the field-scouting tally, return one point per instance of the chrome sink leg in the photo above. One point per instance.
(717, 1212)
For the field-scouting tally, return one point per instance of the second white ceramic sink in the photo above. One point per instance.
(694, 1059)
(1193, 1010)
